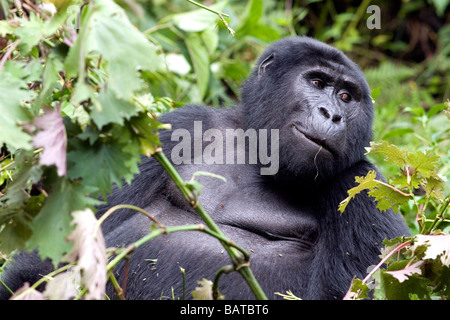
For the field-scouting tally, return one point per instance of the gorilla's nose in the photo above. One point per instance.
(330, 113)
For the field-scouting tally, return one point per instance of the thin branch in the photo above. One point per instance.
(239, 259)
(126, 206)
(394, 188)
(378, 266)
(221, 15)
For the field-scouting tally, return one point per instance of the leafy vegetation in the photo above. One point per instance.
(82, 84)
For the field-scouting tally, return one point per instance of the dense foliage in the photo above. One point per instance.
(82, 84)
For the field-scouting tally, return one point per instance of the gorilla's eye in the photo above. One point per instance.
(318, 83)
(345, 97)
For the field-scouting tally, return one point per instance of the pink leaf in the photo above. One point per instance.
(403, 274)
(89, 248)
(27, 293)
(51, 137)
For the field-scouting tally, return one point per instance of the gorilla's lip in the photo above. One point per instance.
(319, 142)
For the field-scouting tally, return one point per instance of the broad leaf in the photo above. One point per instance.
(90, 251)
(393, 153)
(107, 31)
(13, 92)
(366, 182)
(103, 165)
(52, 224)
(52, 137)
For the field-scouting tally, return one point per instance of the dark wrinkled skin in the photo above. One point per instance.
(320, 102)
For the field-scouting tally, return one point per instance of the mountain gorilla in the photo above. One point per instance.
(316, 105)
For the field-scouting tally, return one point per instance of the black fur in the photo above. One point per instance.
(288, 221)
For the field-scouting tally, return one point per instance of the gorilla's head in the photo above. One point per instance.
(318, 99)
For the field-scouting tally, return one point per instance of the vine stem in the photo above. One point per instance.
(238, 257)
(45, 279)
(393, 188)
(390, 254)
(441, 216)
(378, 266)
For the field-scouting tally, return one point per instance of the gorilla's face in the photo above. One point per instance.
(320, 102)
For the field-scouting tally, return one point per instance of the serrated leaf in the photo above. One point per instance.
(103, 165)
(17, 207)
(358, 290)
(387, 198)
(111, 109)
(366, 182)
(146, 129)
(403, 274)
(414, 287)
(52, 225)
(434, 187)
(436, 246)
(13, 91)
(424, 163)
(90, 251)
(393, 153)
(106, 24)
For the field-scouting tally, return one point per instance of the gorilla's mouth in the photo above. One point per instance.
(319, 142)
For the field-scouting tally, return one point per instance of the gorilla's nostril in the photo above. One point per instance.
(337, 118)
(324, 112)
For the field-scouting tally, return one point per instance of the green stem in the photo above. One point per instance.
(46, 278)
(207, 9)
(215, 287)
(441, 216)
(240, 262)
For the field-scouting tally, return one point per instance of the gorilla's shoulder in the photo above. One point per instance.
(189, 112)
(210, 117)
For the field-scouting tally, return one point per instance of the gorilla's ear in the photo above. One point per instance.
(267, 61)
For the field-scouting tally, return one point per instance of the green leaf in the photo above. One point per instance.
(53, 223)
(375, 93)
(357, 290)
(111, 109)
(424, 163)
(107, 31)
(387, 198)
(249, 24)
(397, 132)
(414, 287)
(366, 182)
(30, 33)
(434, 187)
(146, 128)
(200, 59)
(103, 164)
(393, 153)
(13, 92)
(50, 77)
(17, 206)
(252, 14)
